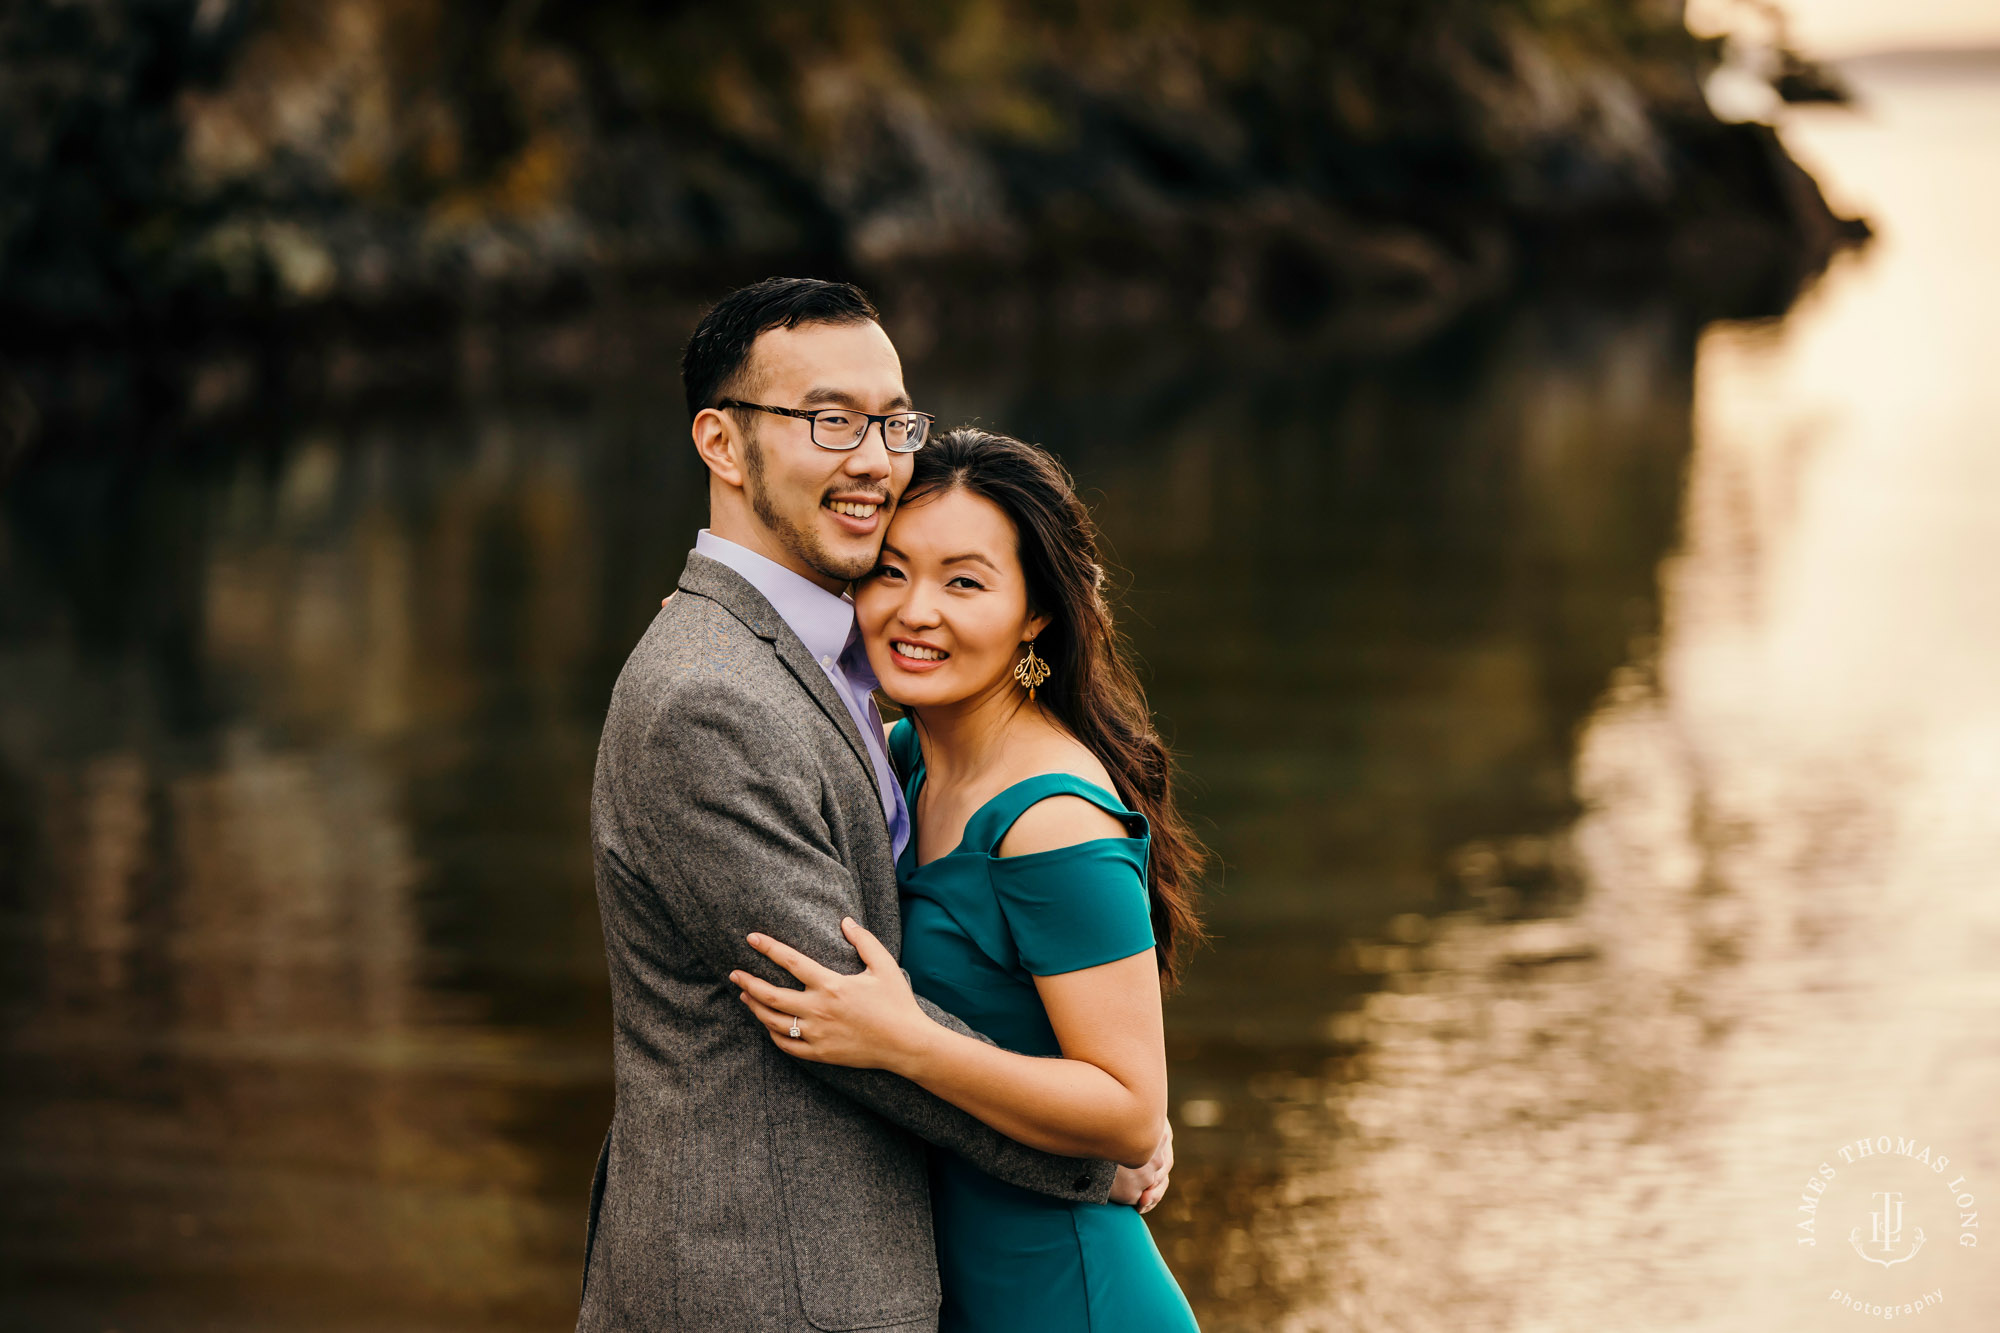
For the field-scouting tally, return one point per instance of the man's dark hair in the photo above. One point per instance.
(721, 342)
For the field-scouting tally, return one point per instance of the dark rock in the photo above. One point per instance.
(176, 170)
(1801, 80)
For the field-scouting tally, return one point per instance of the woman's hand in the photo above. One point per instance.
(869, 1020)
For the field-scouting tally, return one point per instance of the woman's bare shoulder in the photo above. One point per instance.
(1063, 821)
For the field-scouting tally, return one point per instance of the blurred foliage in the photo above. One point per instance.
(89, 141)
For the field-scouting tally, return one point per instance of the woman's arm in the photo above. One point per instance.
(1106, 1097)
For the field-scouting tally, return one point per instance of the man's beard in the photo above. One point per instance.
(803, 543)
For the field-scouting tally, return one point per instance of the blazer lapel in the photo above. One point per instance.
(721, 584)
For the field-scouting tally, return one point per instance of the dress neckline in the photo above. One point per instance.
(922, 772)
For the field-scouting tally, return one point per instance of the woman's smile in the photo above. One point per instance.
(916, 655)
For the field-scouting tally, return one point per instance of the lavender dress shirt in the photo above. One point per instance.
(825, 624)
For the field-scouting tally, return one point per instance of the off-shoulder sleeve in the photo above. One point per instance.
(1076, 907)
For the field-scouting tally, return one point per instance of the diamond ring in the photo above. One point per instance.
(794, 1033)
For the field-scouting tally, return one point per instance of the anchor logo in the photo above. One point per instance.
(1886, 1231)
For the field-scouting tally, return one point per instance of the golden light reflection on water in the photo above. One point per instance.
(1788, 860)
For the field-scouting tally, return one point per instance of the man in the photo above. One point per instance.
(743, 784)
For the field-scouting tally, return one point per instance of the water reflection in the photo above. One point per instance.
(304, 999)
(1782, 910)
(1594, 717)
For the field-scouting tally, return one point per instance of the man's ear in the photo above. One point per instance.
(719, 444)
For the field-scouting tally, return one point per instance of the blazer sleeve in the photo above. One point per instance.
(719, 805)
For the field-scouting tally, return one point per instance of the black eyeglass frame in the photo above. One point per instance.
(811, 415)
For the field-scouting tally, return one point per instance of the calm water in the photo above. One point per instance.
(1598, 718)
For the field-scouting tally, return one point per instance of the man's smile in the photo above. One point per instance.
(859, 514)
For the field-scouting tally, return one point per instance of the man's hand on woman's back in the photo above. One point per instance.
(1143, 1187)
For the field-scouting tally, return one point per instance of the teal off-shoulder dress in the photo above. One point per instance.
(978, 928)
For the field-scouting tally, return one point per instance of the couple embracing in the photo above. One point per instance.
(886, 1002)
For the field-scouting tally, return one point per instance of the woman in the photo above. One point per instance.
(1047, 888)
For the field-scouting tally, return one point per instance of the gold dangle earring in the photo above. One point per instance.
(1031, 670)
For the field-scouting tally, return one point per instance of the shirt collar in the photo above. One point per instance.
(824, 621)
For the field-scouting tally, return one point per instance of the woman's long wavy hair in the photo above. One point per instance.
(1092, 689)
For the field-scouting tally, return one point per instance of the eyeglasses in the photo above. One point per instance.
(843, 428)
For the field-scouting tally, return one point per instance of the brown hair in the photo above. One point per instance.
(1092, 689)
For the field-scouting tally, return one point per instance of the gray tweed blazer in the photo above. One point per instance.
(738, 1187)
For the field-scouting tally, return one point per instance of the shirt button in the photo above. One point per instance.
(825, 661)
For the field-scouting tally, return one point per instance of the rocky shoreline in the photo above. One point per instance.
(195, 174)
